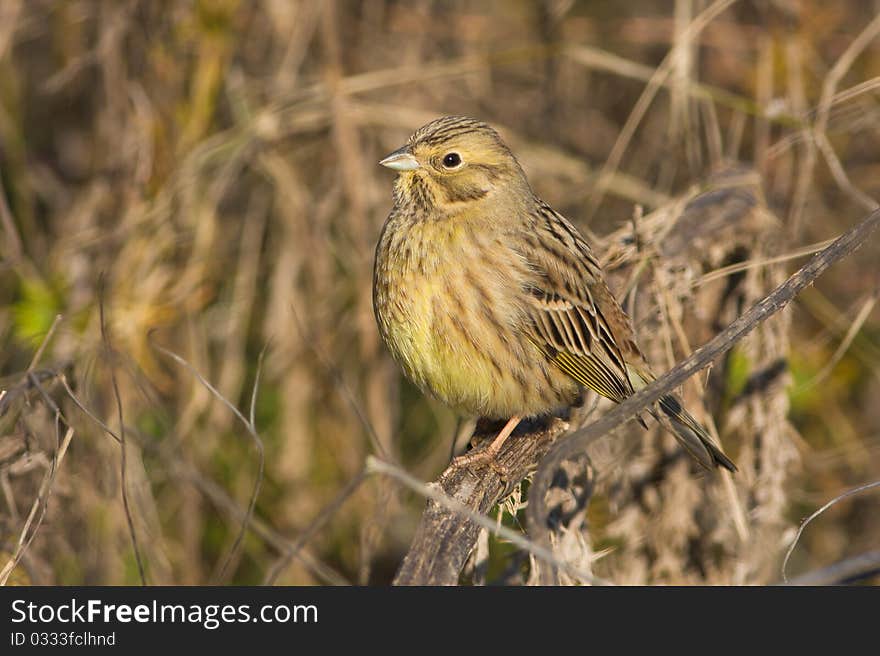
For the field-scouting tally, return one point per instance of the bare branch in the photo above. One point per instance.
(457, 507)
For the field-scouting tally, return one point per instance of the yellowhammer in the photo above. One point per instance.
(492, 301)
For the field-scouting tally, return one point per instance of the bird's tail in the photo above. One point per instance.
(691, 435)
(684, 427)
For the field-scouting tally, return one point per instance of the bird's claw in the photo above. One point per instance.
(482, 459)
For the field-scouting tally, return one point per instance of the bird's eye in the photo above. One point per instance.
(451, 160)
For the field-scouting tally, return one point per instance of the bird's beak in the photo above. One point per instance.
(401, 159)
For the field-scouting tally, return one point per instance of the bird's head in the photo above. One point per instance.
(454, 160)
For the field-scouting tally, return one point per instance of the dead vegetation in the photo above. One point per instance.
(192, 189)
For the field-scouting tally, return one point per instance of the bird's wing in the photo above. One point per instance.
(574, 319)
(572, 316)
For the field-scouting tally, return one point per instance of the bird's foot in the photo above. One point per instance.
(489, 455)
(483, 458)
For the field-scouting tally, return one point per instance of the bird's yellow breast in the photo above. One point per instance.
(452, 322)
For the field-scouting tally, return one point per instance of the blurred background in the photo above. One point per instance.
(201, 177)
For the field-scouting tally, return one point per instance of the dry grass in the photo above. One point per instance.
(211, 166)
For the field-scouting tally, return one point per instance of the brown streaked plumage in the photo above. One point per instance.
(492, 301)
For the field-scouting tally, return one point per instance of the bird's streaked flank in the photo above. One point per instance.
(492, 301)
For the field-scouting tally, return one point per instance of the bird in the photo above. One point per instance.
(493, 302)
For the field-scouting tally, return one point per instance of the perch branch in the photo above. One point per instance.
(449, 526)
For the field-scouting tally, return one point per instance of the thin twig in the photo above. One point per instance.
(252, 503)
(256, 386)
(14, 247)
(331, 368)
(44, 343)
(91, 415)
(641, 107)
(819, 130)
(731, 269)
(39, 504)
(220, 497)
(105, 336)
(251, 429)
(839, 173)
(323, 517)
(844, 345)
(839, 497)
